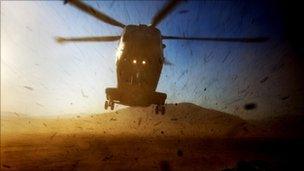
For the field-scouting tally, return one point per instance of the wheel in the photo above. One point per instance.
(106, 105)
(163, 110)
(112, 105)
(156, 109)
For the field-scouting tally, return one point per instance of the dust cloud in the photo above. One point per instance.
(186, 137)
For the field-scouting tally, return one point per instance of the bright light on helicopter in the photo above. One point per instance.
(144, 62)
(134, 61)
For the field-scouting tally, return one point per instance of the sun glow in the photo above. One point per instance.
(119, 50)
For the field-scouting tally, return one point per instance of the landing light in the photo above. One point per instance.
(144, 62)
(134, 61)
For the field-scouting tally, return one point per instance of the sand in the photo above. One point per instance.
(187, 137)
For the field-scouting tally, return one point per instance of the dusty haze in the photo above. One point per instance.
(187, 137)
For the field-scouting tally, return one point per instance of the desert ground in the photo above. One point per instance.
(187, 137)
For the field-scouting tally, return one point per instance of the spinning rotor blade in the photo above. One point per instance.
(220, 39)
(92, 11)
(160, 15)
(88, 39)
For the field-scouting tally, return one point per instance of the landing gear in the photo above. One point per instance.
(109, 103)
(156, 109)
(106, 105)
(160, 108)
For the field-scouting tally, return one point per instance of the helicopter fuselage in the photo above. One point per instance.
(139, 61)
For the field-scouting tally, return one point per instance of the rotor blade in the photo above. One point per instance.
(160, 15)
(87, 39)
(92, 11)
(220, 39)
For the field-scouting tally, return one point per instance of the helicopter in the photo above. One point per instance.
(139, 57)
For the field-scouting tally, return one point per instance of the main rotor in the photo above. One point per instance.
(157, 18)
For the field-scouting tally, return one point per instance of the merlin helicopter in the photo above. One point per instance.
(139, 58)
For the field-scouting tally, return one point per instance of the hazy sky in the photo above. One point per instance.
(41, 77)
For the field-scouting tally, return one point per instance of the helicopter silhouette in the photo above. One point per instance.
(139, 56)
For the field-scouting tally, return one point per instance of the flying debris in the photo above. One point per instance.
(264, 80)
(183, 11)
(29, 88)
(250, 106)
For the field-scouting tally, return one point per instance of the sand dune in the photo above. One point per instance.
(184, 119)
